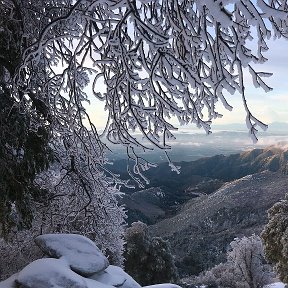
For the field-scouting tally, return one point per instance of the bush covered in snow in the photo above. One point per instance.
(245, 267)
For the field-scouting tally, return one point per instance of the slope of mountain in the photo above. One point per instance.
(199, 177)
(225, 168)
(200, 232)
(145, 205)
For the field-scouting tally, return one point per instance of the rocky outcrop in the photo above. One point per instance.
(73, 256)
(81, 254)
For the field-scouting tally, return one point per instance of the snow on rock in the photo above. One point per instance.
(95, 284)
(129, 282)
(275, 285)
(10, 282)
(163, 285)
(108, 278)
(50, 273)
(83, 256)
(116, 277)
(77, 253)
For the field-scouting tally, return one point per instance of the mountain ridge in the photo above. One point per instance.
(203, 176)
(201, 231)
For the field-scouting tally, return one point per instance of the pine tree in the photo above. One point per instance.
(275, 236)
(24, 129)
(148, 259)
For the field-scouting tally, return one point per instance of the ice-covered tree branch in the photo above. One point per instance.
(158, 59)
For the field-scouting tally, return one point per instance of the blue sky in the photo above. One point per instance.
(271, 106)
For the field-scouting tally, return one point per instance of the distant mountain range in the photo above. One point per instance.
(211, 201)
(221, 167)
(191, 144)
(272, 127)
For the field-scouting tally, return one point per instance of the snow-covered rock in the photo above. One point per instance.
(129, 283)
(163, 285)
(95, 284)
(275, 285)
(116, 277)
(75, 252)
(108, 278)
(10, 282)
(82, 255)
(50, 273)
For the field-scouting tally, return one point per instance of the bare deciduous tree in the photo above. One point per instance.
(245, 266)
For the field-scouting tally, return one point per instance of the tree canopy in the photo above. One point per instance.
(157, 60)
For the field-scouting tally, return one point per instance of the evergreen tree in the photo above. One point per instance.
(148, 259)
(24, 129)
(275, 236)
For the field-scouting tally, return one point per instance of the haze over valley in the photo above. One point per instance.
(190, 144)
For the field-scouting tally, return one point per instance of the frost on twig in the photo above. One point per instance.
(158, 60)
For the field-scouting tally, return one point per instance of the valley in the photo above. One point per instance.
(212, 201)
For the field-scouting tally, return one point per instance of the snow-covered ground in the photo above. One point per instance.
(275, 285)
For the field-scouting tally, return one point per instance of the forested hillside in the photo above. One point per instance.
(201, 231)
